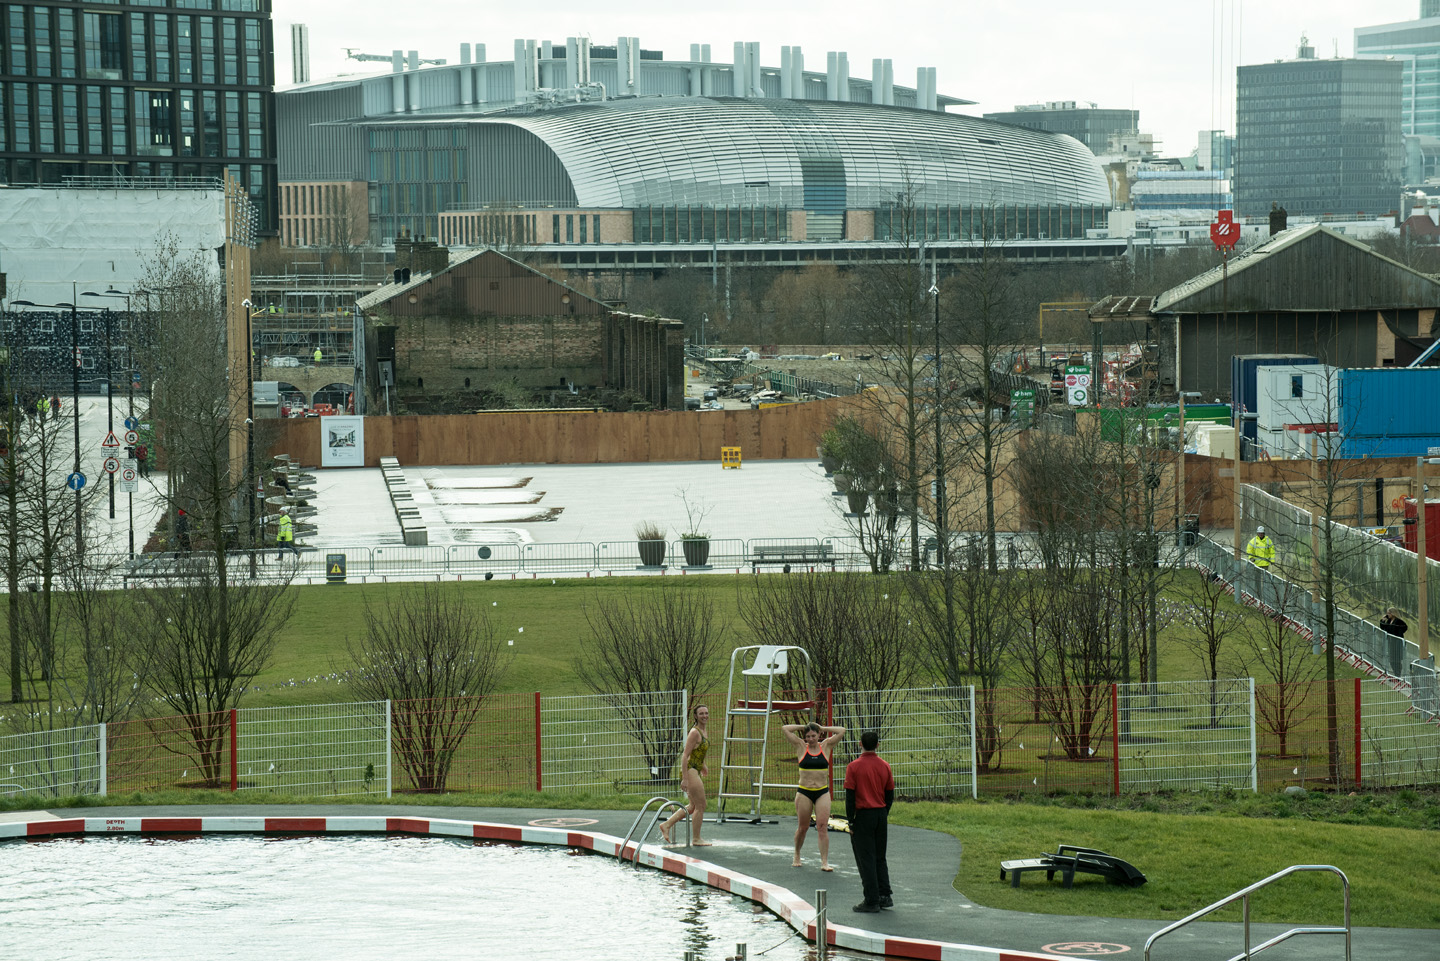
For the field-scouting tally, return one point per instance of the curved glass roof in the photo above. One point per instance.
(699, 151)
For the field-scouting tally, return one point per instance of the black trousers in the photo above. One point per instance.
(867, 841)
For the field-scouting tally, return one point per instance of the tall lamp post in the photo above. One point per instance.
(252, 491)
(110, 390)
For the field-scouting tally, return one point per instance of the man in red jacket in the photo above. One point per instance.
(869, 793)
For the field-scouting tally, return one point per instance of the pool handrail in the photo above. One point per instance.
(1243, 895)
(665, 805)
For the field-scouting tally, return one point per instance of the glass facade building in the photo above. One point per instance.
(1319, 137)
(164, 90)
(1415, 44)
(1095, 127)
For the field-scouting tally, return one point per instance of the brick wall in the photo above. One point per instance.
(534, 351)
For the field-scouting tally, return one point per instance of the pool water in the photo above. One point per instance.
(257, 898)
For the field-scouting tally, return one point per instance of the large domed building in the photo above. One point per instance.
(578, 145)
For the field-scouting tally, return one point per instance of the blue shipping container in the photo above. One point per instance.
(1390, 402)
(1414, 445)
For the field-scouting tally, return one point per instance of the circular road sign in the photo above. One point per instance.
(131, 423)
(75, 481)
(132, 438)
(127, 474)
(111, 465)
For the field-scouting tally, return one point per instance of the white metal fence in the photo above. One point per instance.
(1187, 734)
(1399, 744)
(927, 735)
(612, 743)
(314, 750)
(54, 764)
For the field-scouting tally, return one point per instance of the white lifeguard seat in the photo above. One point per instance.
(769, 659)
(747, 722)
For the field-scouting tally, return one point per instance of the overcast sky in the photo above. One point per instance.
(1174, 62)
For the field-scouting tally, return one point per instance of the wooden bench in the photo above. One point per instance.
(788, 554)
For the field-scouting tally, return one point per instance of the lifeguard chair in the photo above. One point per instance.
(750, 702)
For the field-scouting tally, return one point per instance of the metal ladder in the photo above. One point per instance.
(747, 727)
(665, 805)
(1243, 895)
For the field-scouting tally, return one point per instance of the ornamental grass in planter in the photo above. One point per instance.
(651, 542)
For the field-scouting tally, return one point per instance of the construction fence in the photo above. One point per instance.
(942, 743)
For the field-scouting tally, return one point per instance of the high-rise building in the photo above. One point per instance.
(1318, 136)
(1093, 126)
(1415, 44)
(165, 90)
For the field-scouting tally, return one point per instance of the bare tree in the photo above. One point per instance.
(209, 641)
(867, 476)
(1272, 652)
(435, 654)
(666, 638)
(853, 627)
(1213, 620)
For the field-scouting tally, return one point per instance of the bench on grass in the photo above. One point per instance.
(1083, 860)
(788, 554)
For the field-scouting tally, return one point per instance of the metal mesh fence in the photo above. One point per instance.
(313, 750)
(1185, 735)
(180, 751)
(612, 743)
(53, 764)
(925, 734)
(463, 744)
(1045, 739)
(1398, 744)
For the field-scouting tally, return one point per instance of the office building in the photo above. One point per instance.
(164, 90)
(1095, 127)
(1318, 137)
(1415, 45)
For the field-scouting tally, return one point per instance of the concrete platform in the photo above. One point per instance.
(930, 918)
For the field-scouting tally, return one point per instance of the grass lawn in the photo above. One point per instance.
(312, 653)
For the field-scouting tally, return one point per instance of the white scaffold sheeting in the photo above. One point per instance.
(55, 238)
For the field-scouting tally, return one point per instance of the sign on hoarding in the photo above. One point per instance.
(1077, 385)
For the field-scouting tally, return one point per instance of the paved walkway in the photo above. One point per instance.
(923, 866)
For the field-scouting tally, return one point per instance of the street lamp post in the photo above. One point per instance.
(110, 392)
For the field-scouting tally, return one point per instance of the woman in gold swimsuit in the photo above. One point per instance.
(815, 746)
(692, 763)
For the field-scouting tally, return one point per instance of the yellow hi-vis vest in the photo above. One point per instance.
(287, 529)
(1261, 551)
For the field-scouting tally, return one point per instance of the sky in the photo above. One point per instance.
(1173, 61)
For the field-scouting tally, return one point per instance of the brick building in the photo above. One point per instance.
(487, 319)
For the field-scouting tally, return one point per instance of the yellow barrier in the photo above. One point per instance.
(730, 457)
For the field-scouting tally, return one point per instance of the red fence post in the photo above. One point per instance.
(1115, 733)
(1357, 732)
(538, 782)
(234, 749)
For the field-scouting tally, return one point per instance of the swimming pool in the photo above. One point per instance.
(361, 897)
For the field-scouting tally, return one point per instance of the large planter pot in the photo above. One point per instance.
(856, 500)
(697, 550)
(830, 463)
(887, 502)
(843, 482)
(652, 553)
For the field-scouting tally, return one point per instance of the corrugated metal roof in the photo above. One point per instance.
(1253, 261)
(1122, 306)
(392, 290)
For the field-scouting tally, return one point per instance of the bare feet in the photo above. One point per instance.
(702, 844)
(665, 833)
(826, 867)
(796, 863)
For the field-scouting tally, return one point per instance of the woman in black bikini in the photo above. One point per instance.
(812, 794)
